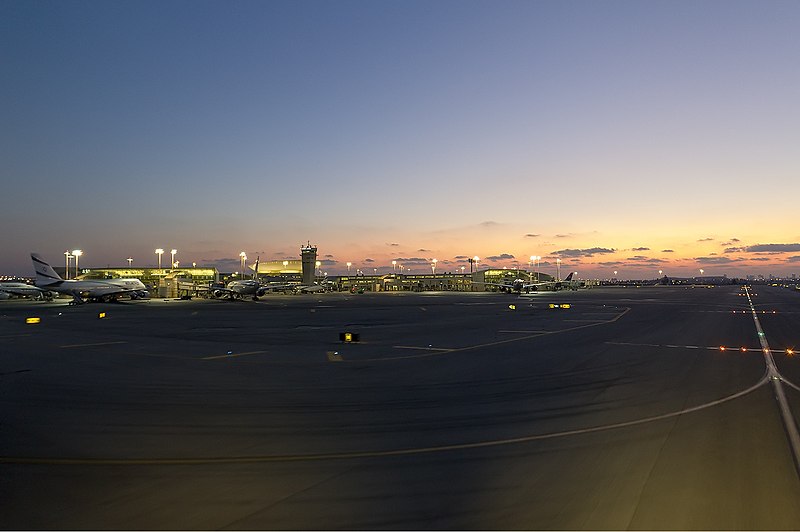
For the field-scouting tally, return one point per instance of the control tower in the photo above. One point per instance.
(308, 256)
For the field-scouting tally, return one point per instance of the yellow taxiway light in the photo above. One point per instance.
(101, 315)
(30, 321)
(512, 307)
(790, 352)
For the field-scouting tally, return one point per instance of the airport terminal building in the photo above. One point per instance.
(195, 281)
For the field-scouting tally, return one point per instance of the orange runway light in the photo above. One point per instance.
(744, 350)
(722, 348)
(790, 352)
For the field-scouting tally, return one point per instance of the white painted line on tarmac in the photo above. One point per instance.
(232, 355)
(774, 375)
(91, 345)
(422, 348)
(30, 460)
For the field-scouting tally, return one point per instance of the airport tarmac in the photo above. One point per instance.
(453, 411)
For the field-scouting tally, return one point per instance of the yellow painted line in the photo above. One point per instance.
(233, 355)
(373, 454)
(91, 345)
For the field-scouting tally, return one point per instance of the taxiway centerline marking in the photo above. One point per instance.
(91, 345)
(373, 454)
(789, 424)
(231, 355)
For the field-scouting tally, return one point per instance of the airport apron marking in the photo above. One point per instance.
(479, 346)
(371, 454)
(231, 355)
(91, 345)
(789, 424)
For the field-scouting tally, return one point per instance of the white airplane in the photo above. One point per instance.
(81, 291)
(8, 289)
(242, 288)
(518, 285)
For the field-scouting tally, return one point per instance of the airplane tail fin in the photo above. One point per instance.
(45, 274)
(569, 277)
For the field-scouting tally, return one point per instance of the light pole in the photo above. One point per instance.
(242, 260)
(159, 252)
(538, 258)
(67, 256)
(130, 261)
(76, 253)
(285, 264)
(702, 271)
(394, 266)
(558, 269)
(476, 260)
(172, 252)
(433, 266)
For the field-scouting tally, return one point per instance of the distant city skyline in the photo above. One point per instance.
(615, 135)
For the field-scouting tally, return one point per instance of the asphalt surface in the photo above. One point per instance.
(454, 411)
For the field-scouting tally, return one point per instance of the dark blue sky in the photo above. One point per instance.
(456, 128)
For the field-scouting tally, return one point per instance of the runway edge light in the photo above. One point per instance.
(101, 315)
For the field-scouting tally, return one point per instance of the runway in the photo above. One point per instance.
(634, 408)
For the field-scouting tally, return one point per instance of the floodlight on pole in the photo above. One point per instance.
(159, 252)
(433, 266)
(130, 261)
(67, 256)
(76, 253)
(172, 252)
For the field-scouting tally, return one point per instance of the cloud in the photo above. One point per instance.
(590, 252)
(730, 242)
(716, 260)
(369, 260)
(760, 259)
(488, 223)
(667, 251)
(732, 250)
(779, 248)
(392, 244)
(532, 235)
(329, 256)
(460, 257)
(329, 262)
(423, 250)
(502, 256)
(640, 249)
(412, 261)
(649, 260)
(795, 258)
(707, 239)
(562, 236)
(611, 263)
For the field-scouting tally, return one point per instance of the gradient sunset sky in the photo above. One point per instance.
(631, 136)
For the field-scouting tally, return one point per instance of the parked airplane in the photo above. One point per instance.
(83, 290)
(519, 285)
(253, 288)
(8, 289)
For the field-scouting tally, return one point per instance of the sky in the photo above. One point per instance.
(634, 137)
